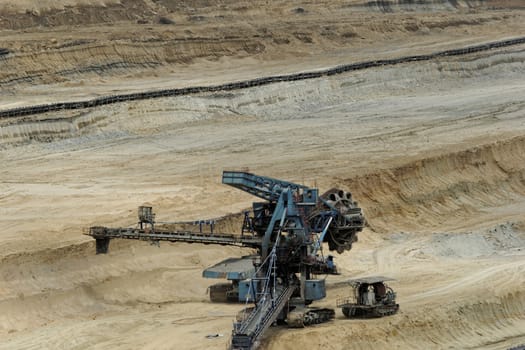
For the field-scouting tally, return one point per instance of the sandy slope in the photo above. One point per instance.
(122, 46)
(434, 152)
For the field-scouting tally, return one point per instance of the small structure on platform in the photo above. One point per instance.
(237, 270)
(372, 297)
(146, 217)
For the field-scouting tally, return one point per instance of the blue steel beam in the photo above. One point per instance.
(260, 186)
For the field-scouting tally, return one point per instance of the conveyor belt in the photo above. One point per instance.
(260, 319)
(104, 234)
(106, 100)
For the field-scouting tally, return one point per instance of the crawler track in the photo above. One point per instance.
(106, 100)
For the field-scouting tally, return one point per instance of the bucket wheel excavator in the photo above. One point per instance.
(287, 229)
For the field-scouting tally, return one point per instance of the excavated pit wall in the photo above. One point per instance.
(441, 189)
(23, 125)
(27, 14)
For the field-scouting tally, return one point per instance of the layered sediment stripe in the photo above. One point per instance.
(106, 100)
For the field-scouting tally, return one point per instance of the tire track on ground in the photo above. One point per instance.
(490, 273)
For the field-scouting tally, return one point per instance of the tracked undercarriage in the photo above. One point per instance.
(371, 298)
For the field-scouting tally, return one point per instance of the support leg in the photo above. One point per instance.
(102, 245)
